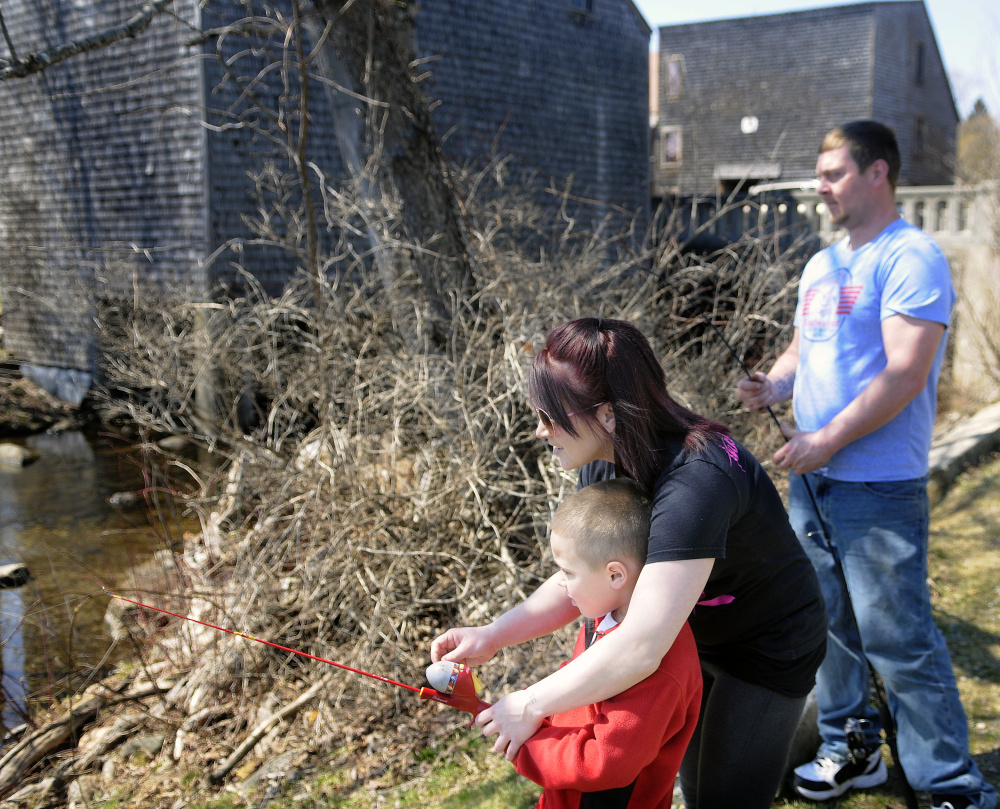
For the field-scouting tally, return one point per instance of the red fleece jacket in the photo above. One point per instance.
(636, 738)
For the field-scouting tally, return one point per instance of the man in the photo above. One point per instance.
(863, 366)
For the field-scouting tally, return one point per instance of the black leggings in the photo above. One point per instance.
(738, 752)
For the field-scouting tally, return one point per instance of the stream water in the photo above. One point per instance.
(55, 517)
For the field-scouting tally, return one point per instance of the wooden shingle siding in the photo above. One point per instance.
(563, 91)
(100, 159)
(903, 99)
(800, 74)
(130, 161)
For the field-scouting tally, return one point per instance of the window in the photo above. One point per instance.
(670, 146)
(673, 75)
(584, 6)
(921, 51)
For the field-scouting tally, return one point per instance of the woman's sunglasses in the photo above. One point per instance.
(546, 419)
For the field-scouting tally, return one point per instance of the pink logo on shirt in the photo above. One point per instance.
(845, 300)
(848, 297)
(718, 601)
(732, 451)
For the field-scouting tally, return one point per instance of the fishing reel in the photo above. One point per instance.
(854, 730)
(454, 685)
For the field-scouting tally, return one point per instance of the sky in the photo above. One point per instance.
(967, 31)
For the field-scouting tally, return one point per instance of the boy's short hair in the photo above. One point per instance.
(866, 142)
(607, 521)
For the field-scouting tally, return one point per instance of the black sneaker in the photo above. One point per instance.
(824, 778)
(951, 802)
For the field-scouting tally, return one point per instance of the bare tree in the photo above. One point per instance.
(16, 67)
(978, 147)
(979, 165)
(388, 139)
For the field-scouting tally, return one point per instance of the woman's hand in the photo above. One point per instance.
(471, 645)
(513, 720)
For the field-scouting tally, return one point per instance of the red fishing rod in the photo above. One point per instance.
(455, 684)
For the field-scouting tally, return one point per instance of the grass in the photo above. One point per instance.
(462, 774)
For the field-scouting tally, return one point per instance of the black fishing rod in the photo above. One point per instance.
(885, 715)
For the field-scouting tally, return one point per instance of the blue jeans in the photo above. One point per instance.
(879, 532)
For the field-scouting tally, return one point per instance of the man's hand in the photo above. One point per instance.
(759, 391)
(512, 720)
(756, 392)
(804, 452)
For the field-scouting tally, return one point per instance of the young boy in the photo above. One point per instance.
(624, 751)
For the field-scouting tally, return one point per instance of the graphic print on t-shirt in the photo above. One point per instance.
(826, 303)
(718, 601)
(732, 451)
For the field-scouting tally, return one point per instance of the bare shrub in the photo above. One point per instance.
(382, 494)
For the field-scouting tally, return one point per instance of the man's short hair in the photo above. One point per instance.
(866, 141)
(607, 521)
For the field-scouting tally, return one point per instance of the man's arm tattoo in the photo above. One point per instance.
(783, 387)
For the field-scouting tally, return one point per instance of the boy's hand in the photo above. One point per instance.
(471, 645)
(512, 720)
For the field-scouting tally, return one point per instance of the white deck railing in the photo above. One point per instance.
(953, 214)
(949, 212)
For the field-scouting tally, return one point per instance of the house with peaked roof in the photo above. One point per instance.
(135, 161)
(746, 101)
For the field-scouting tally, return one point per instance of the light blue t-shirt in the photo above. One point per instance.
(844, 296)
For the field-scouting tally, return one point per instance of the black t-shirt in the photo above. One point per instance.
(762, 617)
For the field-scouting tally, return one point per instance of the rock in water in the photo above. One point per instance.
(126, 500)
(15, 575)
(16, 455)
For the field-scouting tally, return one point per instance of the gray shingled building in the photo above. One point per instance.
(748, 100)
(125, 162)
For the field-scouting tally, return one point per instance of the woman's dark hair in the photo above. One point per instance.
(590, 361)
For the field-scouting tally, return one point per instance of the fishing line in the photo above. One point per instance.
(265, 642)
(455, 684)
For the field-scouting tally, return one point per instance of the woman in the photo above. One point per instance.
(721, 554)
